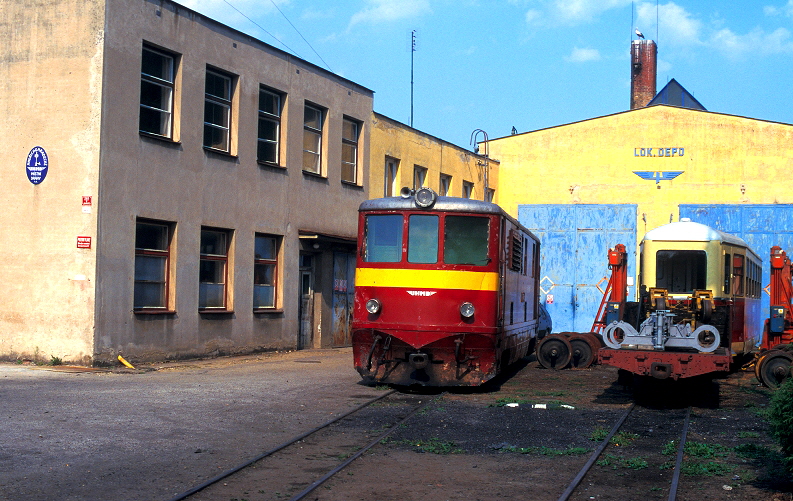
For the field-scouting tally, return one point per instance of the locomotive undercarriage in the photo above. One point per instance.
(450, 361)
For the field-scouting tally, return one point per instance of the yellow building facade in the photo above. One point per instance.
(587, 186)
(402, 156)
(722, 159)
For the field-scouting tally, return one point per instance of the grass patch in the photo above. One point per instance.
(705, 469)
(501, 402)
(432, 446)
(748, 434)
(550, 393)
(382, 387)
(619, 439)
(55, 360)
(753, 451)
(610, 460)
(697, 450)
(547, 451)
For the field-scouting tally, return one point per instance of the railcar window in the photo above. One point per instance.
(680, 270)
(737, 275)
(383, 242)
(465, 240)
(423, 239)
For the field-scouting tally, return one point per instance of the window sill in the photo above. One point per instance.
(271, 165)
(266, 311)
(214, 311)
(157, 137)
(350, 184)
(221, 153)
(144, 311)
(313, 174)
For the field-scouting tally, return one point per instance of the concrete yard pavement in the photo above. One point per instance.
(151, 434)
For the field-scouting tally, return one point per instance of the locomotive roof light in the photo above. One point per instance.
(406, 192)
(373, 306)
(467, 309)
(425, 198)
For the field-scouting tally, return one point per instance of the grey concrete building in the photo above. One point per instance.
(173, 187)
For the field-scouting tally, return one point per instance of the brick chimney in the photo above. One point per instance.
(644, 58)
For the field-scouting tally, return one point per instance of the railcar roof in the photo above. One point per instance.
(451, 204)
(688, 231)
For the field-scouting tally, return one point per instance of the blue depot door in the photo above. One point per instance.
(574, 244)
(761, 226)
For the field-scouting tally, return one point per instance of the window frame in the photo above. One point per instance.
(273, 118)
(419, 177)
(390, 176)
(216, 258)
(445, 185)
(468, 189)
(353, 144)
(165, 253)
(163, 83)
(316, 132)
(274, 262)
(224, 102)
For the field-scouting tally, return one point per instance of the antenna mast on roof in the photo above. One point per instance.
(412, 50)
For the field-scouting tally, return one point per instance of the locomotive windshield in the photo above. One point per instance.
(383, 238)
(465, 239)
(680, 270)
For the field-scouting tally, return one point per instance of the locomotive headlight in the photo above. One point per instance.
(467, 310)
(425, 198)
(373, 306)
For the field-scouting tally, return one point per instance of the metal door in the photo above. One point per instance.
(343, 292)
(574, 242)
(761, 226)
(306, 335)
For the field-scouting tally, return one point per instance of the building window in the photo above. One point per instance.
(445, 185)
(265, 271)
(490, 194)
(312, 139)
(213, 270)
(419, 176)
(390, 178)
(468, 189)
(217, 111)
(152, 265)
(269, 126)
(156, 92)
(349, 150)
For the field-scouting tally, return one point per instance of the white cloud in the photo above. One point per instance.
(583, 55)
(581, 11)
(380, 11)
(756, 41)
(785, 10)
(532, 16)
(677, 26)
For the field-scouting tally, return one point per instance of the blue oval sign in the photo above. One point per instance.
(37, 164)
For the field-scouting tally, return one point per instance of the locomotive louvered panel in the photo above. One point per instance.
(575, 240)
(760, 225)
(517, 250)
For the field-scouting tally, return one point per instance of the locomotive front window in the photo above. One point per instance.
(383, 242)
(465, 240)
(680, 270)
(422, 239)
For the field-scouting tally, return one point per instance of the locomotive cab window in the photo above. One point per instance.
(466, 240)
(680, 270)
(383, 239)
(422, 239)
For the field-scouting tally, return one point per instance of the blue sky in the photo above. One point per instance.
(493, 64)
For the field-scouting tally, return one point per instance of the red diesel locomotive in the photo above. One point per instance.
(446, 290)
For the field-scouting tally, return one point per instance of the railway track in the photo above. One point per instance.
(298, 466)
(636, 420)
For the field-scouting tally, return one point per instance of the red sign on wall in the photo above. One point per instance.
(83, 242)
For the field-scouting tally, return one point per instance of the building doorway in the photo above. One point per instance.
(305, 338)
